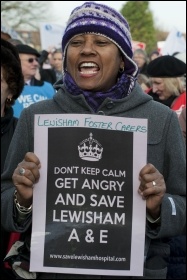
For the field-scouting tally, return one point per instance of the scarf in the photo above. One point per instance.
(168, 102)
(121, 89)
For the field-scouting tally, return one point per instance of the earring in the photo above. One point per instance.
(121, 70)
(8, 100)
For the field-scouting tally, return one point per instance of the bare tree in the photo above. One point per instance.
(25, 14)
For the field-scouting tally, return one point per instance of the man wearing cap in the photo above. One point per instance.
(34, 90)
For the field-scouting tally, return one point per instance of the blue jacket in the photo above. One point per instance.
(37, 91)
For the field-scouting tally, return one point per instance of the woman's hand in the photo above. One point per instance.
(25, 176)
(152, 188)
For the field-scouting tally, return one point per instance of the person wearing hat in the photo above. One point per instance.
(100, 78)
(34, 90)
(12, 83)
(165, 73)
(154, 54)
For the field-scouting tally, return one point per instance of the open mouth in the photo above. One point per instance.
(88, 68)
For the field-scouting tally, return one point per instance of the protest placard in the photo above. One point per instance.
(88, 217)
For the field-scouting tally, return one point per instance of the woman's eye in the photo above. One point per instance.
(75, 43)
(102, 43)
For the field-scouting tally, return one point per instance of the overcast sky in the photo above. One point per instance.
(167, 14)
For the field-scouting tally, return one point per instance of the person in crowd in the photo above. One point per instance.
(45, 70)
(166, 73)
(57, 57)
(12, 83)
(144, 82)
(93, 83)
(141, 58)
(177, 258)
(54, 73)
(167, 87)
(34, 90)
(153, 55)
(46, 59)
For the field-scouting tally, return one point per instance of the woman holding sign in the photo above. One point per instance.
(100, 78)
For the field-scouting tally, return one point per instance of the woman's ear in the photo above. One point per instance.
(10, 96)
(122, 63)
(122, 66)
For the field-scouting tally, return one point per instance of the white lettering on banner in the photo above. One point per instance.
(74, 199)
(88, 217)
(66, 170)
(104, 185)
(89, 238)
(66, 183)
(107, 201)
(26, 105)
(31, 98)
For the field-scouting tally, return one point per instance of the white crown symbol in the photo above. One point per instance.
(90, 149)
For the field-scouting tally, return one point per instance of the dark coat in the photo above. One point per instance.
(48, 75)
(177, 259)
(8, 125)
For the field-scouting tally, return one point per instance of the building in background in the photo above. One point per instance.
(31, 38)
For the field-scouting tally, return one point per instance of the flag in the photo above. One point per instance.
(175, 42)
(51, 35)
